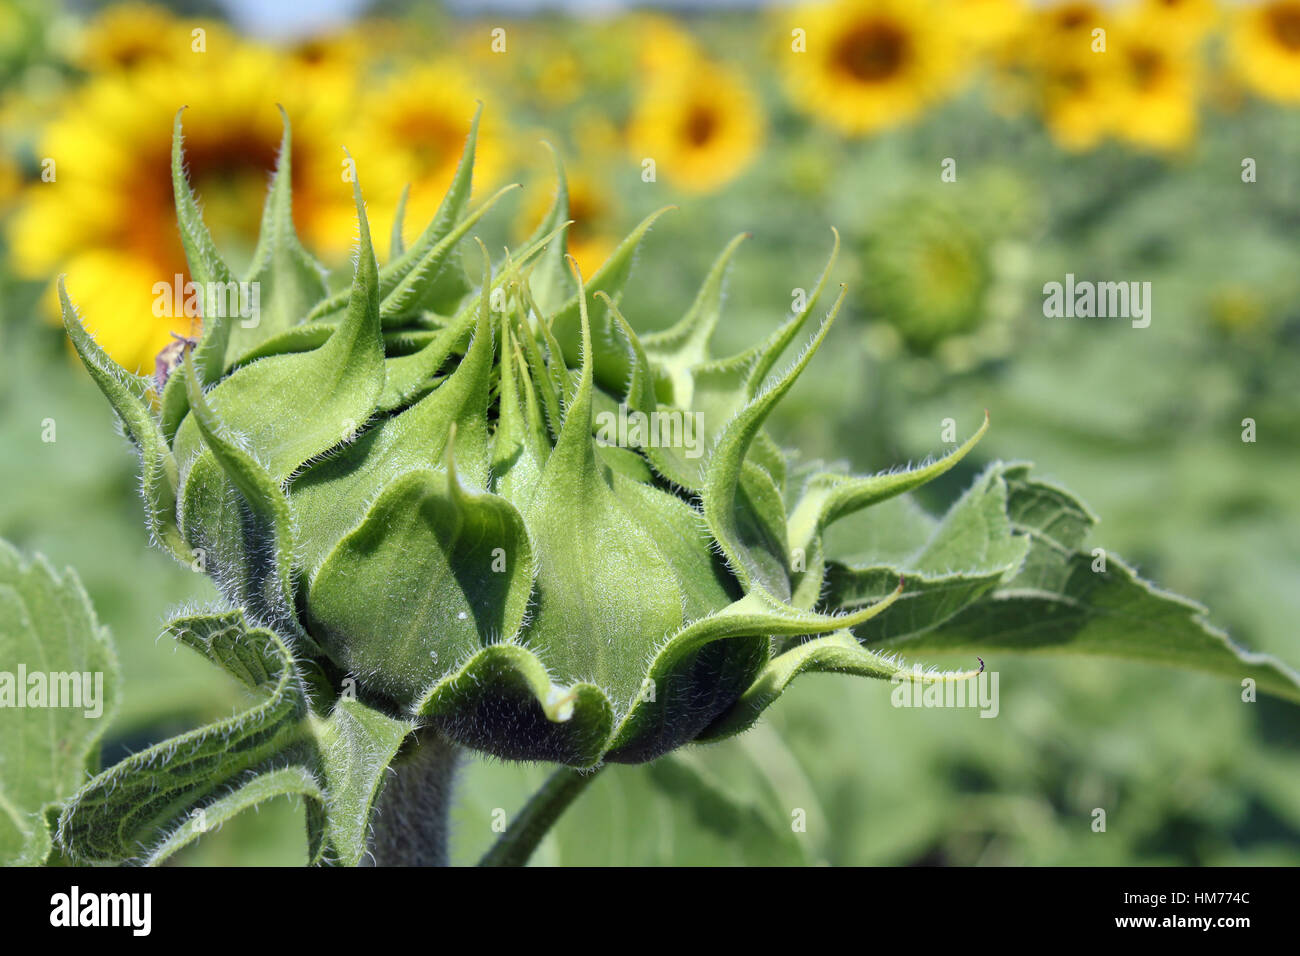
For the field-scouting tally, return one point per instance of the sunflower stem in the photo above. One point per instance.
(411, 825)
(516, 845)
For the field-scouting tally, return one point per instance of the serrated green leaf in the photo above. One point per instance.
(967, 554)
(47, 745)
(1059, 603)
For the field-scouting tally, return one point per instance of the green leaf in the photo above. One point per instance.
(1058, 603)
(758, 835)
(47, 629)
(966, 555)
(140, 805)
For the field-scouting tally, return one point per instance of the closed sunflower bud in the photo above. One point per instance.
(486, 504)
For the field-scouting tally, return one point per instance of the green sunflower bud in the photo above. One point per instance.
(483, 510)
(488, 506)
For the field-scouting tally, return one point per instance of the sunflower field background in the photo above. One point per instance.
(967, 151)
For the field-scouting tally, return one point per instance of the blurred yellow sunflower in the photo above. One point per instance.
(560, 79)
(702, 125)
(1265, 48)
(328, 53)
(107, 218)
(330, 62)
(10, 181)
(130, 35)
(985, 24)
(411, 129)
(1078, 98)
(664, 46)
(1181, 20)
(591, 236)
(870, 64)
(1156, 85)
(1074, 72)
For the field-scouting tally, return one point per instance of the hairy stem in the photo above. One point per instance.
(516, 845)
(412, 821)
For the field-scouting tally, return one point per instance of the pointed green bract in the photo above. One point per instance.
(837, 653)
(294, 407)
(356, 744)
(443, 566)
(736, 502)
(128, 396)
(210, 273)
(289, 281)
(600, 573)
(828, 497)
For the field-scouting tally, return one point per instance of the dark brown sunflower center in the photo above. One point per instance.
(584, 212)
(430, 138)
(1284, 21)
(873, 51)
(229, 173)
(701, 123)
(1145, 67)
